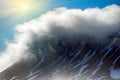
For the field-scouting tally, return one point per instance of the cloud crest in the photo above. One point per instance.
(61, 24)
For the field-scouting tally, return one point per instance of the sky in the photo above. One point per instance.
(32, 29)
(12, 13)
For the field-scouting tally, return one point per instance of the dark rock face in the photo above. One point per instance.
(61, 60)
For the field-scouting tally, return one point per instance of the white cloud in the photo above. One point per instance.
(61, 23)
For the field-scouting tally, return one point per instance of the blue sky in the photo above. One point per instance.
(7, 23)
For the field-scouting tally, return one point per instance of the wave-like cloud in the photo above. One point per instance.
(61, 24)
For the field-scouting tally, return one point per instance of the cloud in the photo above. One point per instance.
(61, 24)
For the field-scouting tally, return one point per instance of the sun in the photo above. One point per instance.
(23, 6)
(20, 9)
